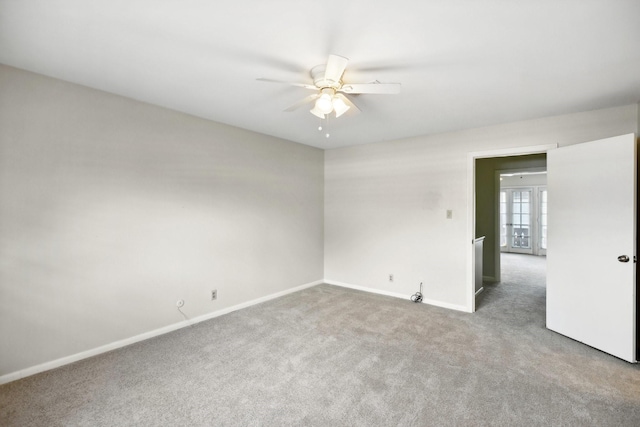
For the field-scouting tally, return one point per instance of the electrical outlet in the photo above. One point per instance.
(214, 294)
(179, 303)
(391, 277)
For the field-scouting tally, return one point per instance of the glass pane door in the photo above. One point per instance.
(515, 220)
(521, 219)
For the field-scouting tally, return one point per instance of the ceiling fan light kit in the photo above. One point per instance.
(324, 102)
(339, 106)
(330, 96)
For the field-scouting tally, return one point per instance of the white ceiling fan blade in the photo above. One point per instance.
(372, 88)
(335, 68)
(302, 102)
(354, 108)
(306, 86)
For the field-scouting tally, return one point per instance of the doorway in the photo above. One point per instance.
(484, 189)
(516, 217)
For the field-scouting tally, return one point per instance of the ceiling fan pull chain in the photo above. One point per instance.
(326, 126)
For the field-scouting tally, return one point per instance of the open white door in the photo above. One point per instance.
(591, 290)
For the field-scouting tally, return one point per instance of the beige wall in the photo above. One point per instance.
(111, 210)
(386, 203)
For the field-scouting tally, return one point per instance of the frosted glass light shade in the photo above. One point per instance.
(317, 112)
(324, 104)
(339, 106)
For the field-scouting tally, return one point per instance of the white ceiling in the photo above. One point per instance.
(461, 63)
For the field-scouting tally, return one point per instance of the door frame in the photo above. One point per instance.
(471, 205)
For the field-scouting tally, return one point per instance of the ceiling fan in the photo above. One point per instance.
(330, 90)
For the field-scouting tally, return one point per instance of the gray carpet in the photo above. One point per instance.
(328, 356)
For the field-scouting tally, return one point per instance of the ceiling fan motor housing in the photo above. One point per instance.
(318, 76)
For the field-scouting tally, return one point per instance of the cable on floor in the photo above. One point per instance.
(417, 297)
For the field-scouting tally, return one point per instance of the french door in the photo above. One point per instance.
(516, 209)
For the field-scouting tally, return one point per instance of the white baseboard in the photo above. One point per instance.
(144, 336)
(398, 295)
